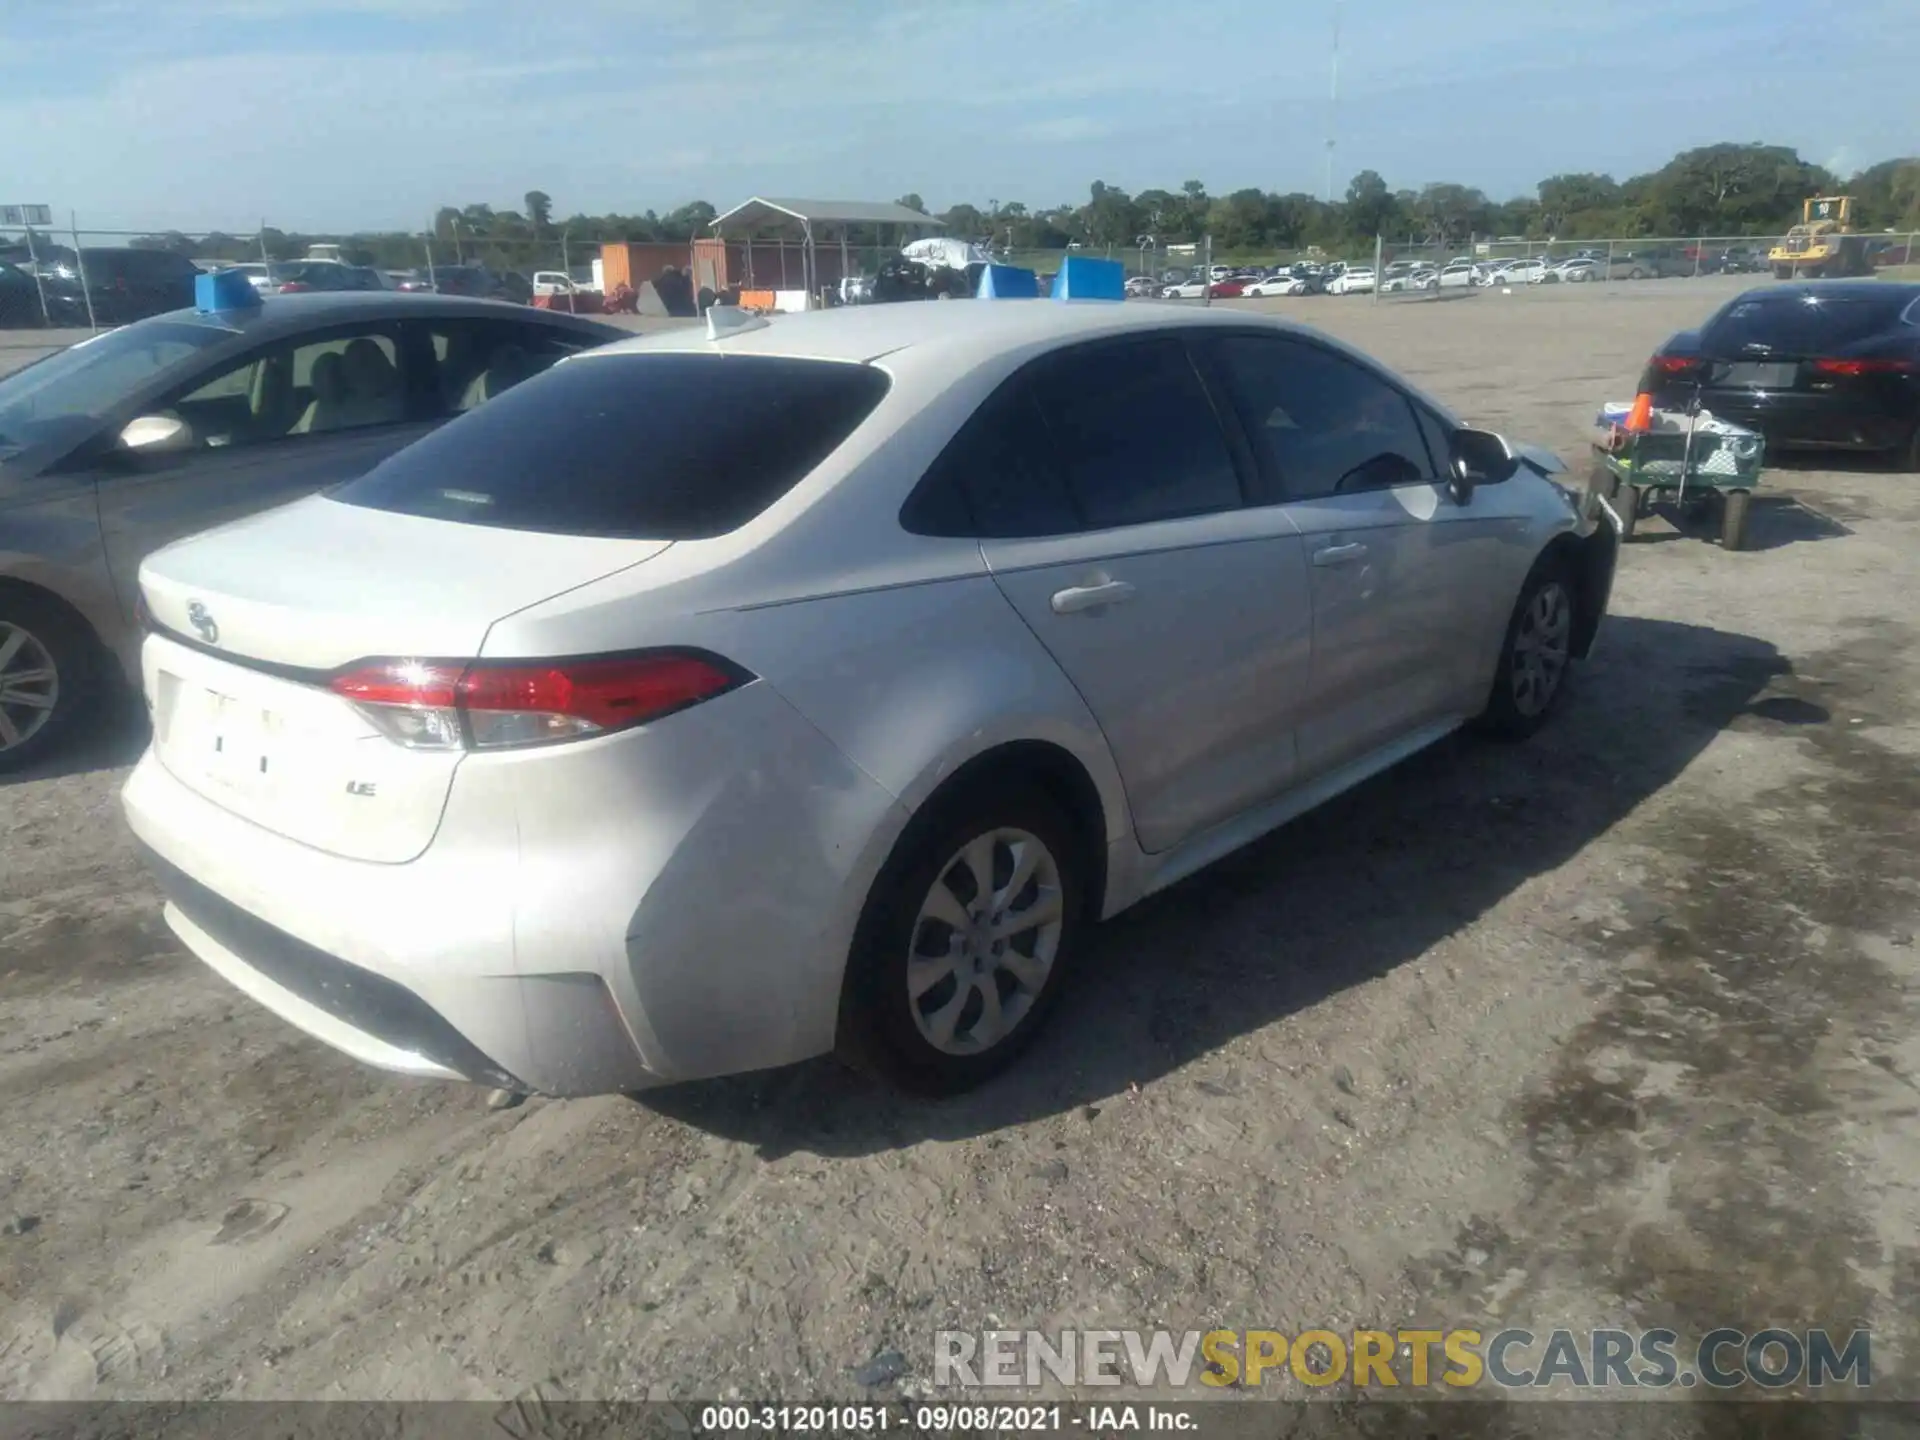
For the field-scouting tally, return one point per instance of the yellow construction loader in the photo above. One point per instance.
(1823, 243)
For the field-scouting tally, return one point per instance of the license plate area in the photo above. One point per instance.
(235, 743)
(294, 759)
(1768, 375)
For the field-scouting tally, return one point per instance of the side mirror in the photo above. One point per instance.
(157, 435)
(1476, 458)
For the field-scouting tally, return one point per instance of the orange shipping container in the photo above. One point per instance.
(636, 262)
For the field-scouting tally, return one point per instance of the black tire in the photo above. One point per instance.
(1626, 504)
(1783, 272)
(31, 622)
(878, 1028)
(1516, 711)
(1735, 508)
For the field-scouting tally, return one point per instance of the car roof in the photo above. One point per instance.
(931, 345)
(1895, 290)
(278, 314)
(963, 332)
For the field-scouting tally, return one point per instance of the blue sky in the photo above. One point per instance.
(342, 114)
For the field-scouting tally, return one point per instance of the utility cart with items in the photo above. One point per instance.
(1703, 466)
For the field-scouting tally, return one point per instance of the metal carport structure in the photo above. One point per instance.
(809, 219)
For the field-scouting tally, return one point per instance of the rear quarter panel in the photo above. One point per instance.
(913, 683)
(909, 681)
(895, 688)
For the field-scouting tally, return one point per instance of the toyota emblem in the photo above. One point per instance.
(203, 622)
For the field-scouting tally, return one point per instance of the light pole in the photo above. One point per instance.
(1333, 97)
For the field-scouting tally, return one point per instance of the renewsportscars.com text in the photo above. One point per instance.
(1722, 1359)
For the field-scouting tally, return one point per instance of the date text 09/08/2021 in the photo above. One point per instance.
(936, 1419)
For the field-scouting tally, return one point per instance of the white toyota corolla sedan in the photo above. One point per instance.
(734, 696)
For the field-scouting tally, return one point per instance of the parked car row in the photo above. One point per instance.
(294, 277)
(1580, 267)
(19, 297)
(1225, 282)
(476, 282)
(122, 284)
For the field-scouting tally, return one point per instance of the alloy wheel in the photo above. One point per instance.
(29, 685)
(1541, 647)
(985, 941)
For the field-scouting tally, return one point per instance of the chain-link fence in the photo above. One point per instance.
(78, 276)
(93, 278)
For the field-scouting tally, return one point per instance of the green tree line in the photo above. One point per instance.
(1724, 189)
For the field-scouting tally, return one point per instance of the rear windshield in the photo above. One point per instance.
(656, 447)
(1798, 324)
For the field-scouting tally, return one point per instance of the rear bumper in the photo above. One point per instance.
(368, 1015)
(670, 903)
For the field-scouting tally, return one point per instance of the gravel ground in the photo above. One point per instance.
(1616, 1027)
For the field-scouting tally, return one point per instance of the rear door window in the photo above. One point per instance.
(632, 446)
(1793, 324)
(997, 479)
(1135, 434)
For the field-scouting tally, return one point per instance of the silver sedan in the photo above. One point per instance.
(827, 709)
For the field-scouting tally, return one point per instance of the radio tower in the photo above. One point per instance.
(1333, 98)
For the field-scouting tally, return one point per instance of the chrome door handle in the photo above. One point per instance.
(1340, 554)
(1087, 597)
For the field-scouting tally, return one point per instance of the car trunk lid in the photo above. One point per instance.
(1806, 341)
(255, 616)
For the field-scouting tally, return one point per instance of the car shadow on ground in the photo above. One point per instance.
(1774, 522)
(1341, 896)
(109, 739)
(1837, 462)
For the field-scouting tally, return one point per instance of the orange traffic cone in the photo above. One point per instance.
(1640, 418)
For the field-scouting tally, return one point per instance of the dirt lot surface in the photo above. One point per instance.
(1617, 1027)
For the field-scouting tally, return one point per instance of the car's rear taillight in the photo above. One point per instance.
(414, 702)
(1875, 366)
(295, 287)
(1677, 364)
(491, 705)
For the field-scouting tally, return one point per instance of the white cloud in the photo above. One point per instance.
(341, 113)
